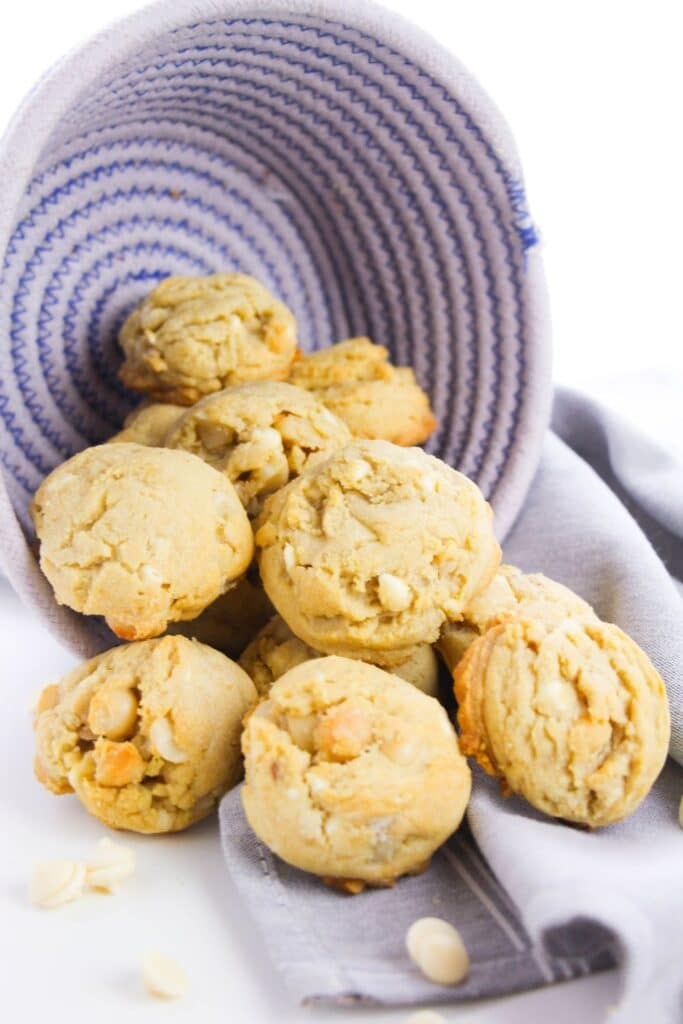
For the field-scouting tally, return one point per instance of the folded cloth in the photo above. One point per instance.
(536, 901)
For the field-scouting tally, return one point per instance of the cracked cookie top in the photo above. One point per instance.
(261, 435)
(147, 735)
(351, 773)
(571, 715)
(377, 400)
(192, 336)
(275, 649)
(369, 552)
(143, 536)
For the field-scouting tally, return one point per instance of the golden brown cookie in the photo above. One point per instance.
(143, 536)
(148, 424)
(147, 735)
(233, 619)
(260, 435)
(275, 649)
(376, 400)
(572, 716)
(351, 773)
(192, 336)
(368, 553)
(510, 594)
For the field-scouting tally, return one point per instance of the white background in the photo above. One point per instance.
(592, 92)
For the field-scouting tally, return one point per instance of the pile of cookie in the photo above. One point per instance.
(269, 505)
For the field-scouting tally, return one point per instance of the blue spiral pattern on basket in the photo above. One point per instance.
(330, 166)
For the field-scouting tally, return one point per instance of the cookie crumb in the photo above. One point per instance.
(164, 978)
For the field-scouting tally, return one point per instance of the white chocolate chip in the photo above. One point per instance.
(288, 558)
(55, 882)
(269, 437)
(395, 595)
(163, 743)
(426, 1017)
(437, 949)
(163, 977)
(316, 784)
(110, 864)
(148, 574)
(358, 470)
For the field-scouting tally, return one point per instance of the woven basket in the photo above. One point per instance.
(330, 149)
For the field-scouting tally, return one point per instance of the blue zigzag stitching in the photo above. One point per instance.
(168, 145)
(203, 91)
(526, 233)
(496, 348)
(45, 354)
(489, 278)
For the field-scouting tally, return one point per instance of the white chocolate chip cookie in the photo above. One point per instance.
(148, 424)
(195, 335)
(370, 552)
(143, 536)
(275, 649)
(510, 594)
(147, 734)
(376, 400)
(260, 435)
(351, 773)
(572, 716)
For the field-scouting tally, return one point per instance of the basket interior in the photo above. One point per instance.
(358, 187)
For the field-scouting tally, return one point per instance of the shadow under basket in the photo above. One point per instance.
(330, 149)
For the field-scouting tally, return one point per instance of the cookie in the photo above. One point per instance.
(147, 735)
(511, 593)
(192, 336)
(572, 716)
(376, 400)
(148, 424)
(143, 536)
(351, 773)
(275, 649)
(260, 435)
(368, 553)
(230, 623)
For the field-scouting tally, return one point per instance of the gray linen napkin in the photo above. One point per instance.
(535, 900)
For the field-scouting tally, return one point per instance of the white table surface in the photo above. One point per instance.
(602, 170)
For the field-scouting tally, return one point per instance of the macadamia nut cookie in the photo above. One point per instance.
(369, 552)
(147, 734)
(148, 424)
(275, 649)
(260, 435)
(143, 536)
(510, 594)
(572, 716)
(192, 336)
(233, 619)
(376, 400)
(352, 773)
